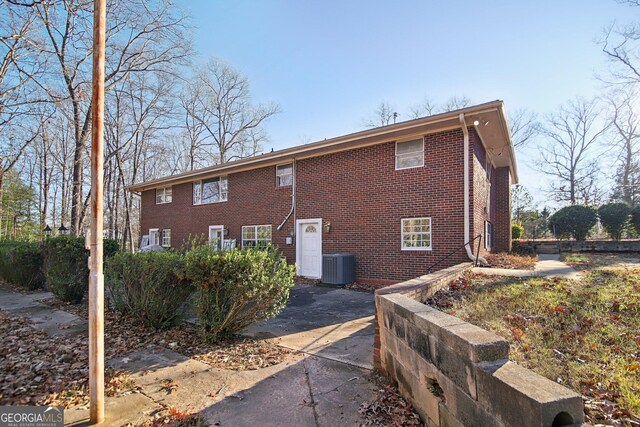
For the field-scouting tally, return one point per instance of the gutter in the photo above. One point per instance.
(467, 219)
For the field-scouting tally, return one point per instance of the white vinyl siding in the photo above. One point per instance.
(210, 191)
(166, 237)
(256, 235)
(284, 175)
(415, 234)
(163, 195)
(410, 154)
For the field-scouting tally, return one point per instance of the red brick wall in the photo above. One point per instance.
(358, 191)
(503, 209)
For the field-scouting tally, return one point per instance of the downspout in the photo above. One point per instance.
(467, 247)
(293, 197)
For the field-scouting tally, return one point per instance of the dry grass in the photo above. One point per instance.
(512, 261)
(583, 334)
(605, 260)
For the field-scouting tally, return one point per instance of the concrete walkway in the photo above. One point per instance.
(548, 265)
(322, 385)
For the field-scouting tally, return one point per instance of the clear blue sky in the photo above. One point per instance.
(330, 63)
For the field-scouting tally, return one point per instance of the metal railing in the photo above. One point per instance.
(447, 256)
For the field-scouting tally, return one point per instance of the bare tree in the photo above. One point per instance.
(523, 126)
(383, 115)
(455, 103)
(572, 134)
(222, 121)
(142, 36)
(425, 108)
(626, 138)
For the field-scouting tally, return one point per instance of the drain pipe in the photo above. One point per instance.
(470, 254)
(293, 196)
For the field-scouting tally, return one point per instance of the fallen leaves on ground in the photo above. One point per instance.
(123, 335)
(512, 261)
(389, 408)
(40, 370)
(582, 334)
(172, 417)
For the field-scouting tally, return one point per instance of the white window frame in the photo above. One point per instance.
(280, 175)
(217, 228)
(488, 243)
(256, 240)
(197, 190)
(409, 154)
(152, 236)
(165, 238)
(165, 195)
(403, 233)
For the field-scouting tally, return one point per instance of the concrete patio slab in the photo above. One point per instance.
(325, 321)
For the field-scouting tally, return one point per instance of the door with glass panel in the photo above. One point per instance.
(216, 235)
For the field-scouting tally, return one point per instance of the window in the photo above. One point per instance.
(410, 154)
(163, 195)
(416, 234)
(210, 191)
(284, 175)
(154, 236)
(256, 235)
(166, 237)
(488, 235)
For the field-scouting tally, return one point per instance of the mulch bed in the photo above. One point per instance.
(511, 261)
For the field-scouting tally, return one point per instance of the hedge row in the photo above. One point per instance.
(59, 264)
(231, 289)
(577, 221)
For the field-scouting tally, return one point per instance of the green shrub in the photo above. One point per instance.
(516, 231)
(21, 263)
(634, 219)
(110, 247)
(66, 267)
(614, 218)
(150, 286)
(238, 288)
(575, 221)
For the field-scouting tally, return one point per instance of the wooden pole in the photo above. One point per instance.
(96, 277)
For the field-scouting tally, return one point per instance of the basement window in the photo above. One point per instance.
(488, 235)
(416, 234)
(410, 154)
(212, 190)
(256, 236)
(163, 195)
(284, 175)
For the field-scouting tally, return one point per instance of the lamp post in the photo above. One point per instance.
(47, 231)
(63, 230)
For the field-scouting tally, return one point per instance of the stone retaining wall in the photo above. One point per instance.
(592, 245)
(455, 373)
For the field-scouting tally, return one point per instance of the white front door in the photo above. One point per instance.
(309, 247)
(154, 236)
(216, 234)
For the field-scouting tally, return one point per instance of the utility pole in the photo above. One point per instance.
(96, 277)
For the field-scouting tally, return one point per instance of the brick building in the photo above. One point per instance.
(393, 196)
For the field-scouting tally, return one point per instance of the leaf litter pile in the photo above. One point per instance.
(40, 370)
(582, 334)
(37, 369)
(239, 353)
(512, 261)
(389, 408)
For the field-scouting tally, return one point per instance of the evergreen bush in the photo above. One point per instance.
(575, 221)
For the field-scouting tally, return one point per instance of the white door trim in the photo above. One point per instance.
(219, 228)
(318, 223)
(154, 239)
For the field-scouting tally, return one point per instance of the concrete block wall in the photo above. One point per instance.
(457, 374)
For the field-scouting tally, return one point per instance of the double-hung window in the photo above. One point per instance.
(416, 234)
(410, 154)
(210, 191)
(488, 235)
(256, 235)
(166, 237)
(163, 195)
(284, 175)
